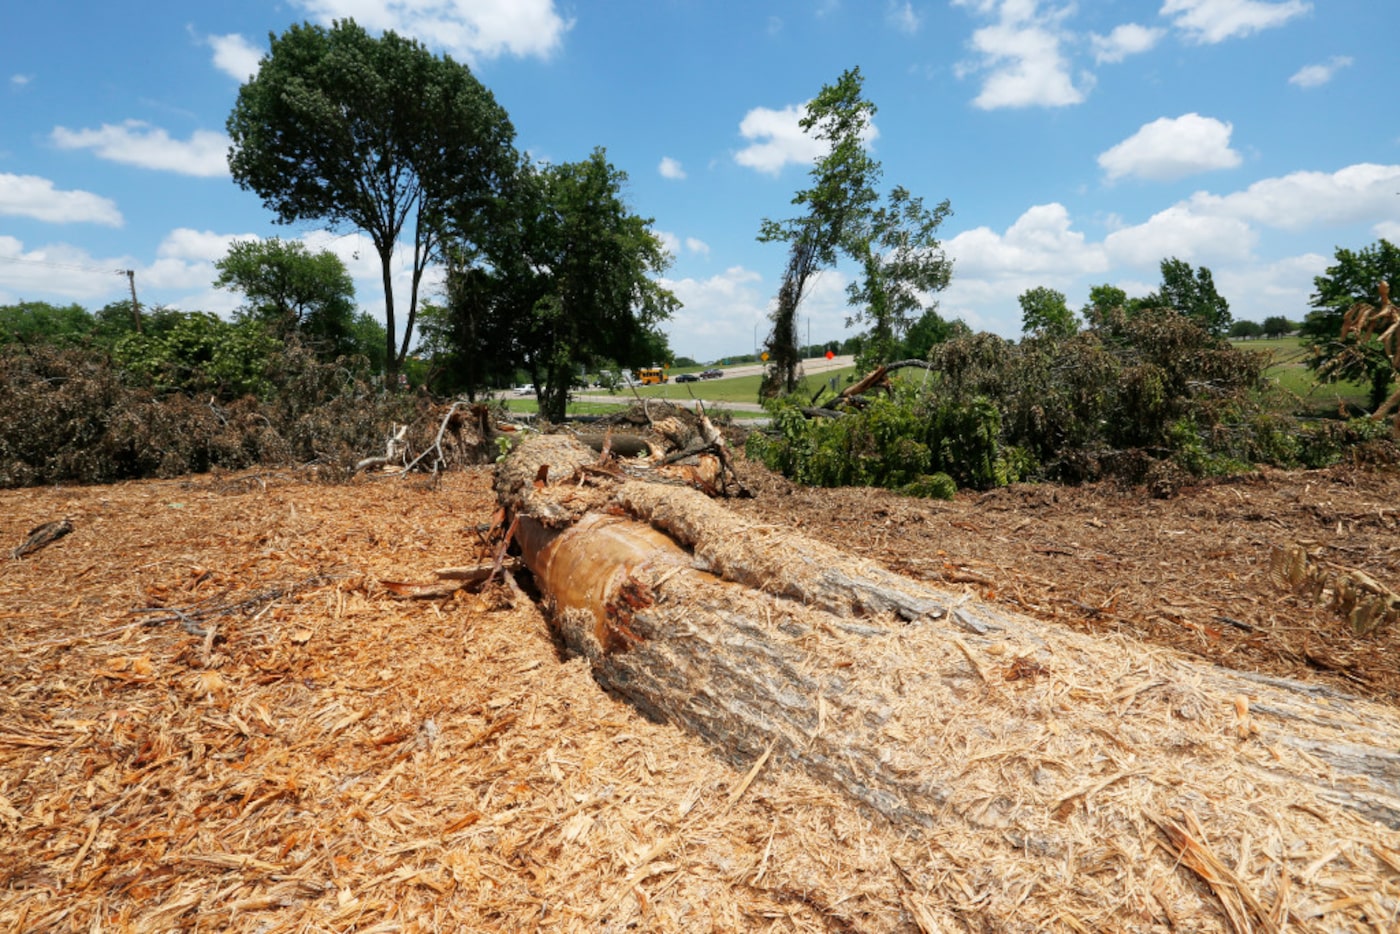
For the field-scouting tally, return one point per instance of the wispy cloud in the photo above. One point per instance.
(1211, 21)
(1125, 40)
(903, 17)
(1311, 76)
(136, 142)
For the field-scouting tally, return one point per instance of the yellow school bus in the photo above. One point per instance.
(651, 375)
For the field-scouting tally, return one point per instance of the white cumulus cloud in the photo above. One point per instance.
(1168, 149)
(20, 81)
(59, 272)
(1359, 193)
(135, 142)
(696, 245)
(474, 30)
(1125, 40)
(37, 198)
(671, 168)
(1311, 76)
(1021, 58)
(1211, 21)
(1182, 232)
(777, 140)
(1040, 244)
(235, 56)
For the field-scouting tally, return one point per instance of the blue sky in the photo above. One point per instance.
(1079, 143)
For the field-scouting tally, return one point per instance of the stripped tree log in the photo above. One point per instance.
(1083, 757)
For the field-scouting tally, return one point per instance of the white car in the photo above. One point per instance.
(527, 390)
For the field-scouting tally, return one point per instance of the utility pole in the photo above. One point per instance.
(135, 308)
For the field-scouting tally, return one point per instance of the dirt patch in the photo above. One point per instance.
(215, 716)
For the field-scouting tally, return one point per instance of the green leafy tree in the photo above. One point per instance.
(293, 292)
(929, 330)
(1246, 329)
(340, 127)
(1045, 314)
(565, 279)
(1193, 294)
(1354, 277)
(34, 323)
(1103, 301)
(902, 264)
(837, 204)
(896, 245)
(1278, 326)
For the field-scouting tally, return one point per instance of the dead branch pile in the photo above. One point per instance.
(1097, 770)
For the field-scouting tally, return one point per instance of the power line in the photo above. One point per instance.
(53, 265)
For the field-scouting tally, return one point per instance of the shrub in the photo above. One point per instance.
(75, 416)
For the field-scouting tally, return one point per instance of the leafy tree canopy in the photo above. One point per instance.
(1193, 294)
(929, 330)
(564, 279)
(340, 127)
(1354, 277)
(1246, 329)
(1103, 300)
(1278, 326)
(293, 291)
(199, 352)
(41, 323)
(1045, 313)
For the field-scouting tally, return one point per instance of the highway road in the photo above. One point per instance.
(688, 392)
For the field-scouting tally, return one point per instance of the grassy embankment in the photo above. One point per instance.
(1290, 371)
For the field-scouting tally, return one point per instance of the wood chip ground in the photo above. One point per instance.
(215, 716)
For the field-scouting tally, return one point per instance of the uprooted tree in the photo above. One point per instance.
(1076, 760)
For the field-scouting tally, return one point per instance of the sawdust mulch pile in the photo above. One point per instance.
(216, 716)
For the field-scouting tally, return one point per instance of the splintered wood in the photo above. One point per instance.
(225, 708)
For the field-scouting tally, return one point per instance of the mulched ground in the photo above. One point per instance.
(215, 715)
(1191, 572)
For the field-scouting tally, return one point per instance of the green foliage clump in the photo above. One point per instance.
(906, 442)
(200, 353)
(931, 486)
(1149, 397)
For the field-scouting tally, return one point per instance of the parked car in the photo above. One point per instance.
(711, 374)
(527, 390)
(687, 378)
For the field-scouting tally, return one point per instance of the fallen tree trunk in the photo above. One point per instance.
(1082, 760)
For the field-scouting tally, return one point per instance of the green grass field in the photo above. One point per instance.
(1288, 368)
(728, 389)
